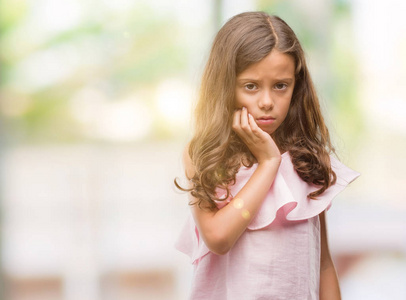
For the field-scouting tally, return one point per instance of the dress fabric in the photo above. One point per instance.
(278, 255)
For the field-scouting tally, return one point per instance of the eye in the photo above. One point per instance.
(250, 87)
(281, 86)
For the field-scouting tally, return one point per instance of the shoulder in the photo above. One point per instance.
(187, 162)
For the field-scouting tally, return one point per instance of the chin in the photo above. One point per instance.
(268, 131)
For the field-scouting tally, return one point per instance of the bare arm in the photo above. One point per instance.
(220, 229)
(329, 286)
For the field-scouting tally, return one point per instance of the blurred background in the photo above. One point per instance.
(95, 105)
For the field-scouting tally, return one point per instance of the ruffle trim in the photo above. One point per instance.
(288, 192)
(190, 243)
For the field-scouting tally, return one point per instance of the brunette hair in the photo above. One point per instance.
(216, 150)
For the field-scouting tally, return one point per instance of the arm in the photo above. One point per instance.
(220, 229)
(329, 286)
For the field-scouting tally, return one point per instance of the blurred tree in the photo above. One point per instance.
(114, 52)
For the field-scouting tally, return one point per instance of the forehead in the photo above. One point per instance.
(275, 65)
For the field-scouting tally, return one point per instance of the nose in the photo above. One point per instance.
(266, 101)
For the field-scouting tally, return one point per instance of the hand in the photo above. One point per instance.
(260, 143)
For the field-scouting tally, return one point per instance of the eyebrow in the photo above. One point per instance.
(253, 79)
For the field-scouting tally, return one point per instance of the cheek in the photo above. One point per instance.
(285, 107)
(286, 111)
(240, 100)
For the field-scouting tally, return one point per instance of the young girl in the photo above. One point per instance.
(261, 175)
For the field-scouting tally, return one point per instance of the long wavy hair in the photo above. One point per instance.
(216, 150)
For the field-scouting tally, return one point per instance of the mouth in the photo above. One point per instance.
(266, 120)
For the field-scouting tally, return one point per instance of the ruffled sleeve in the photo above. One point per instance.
(288, 193)
(190, 243)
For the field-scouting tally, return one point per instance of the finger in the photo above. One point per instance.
(254, 126)
(244, 120)
(256, 130)
(236, 120)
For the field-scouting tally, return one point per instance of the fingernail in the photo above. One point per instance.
(249, 115)
(243, 108)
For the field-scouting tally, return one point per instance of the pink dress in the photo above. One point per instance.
(278, 255)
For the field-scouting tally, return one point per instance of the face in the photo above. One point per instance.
(265, 89)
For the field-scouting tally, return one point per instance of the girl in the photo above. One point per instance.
(260, 170)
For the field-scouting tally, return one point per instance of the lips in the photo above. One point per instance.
(265, 120)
